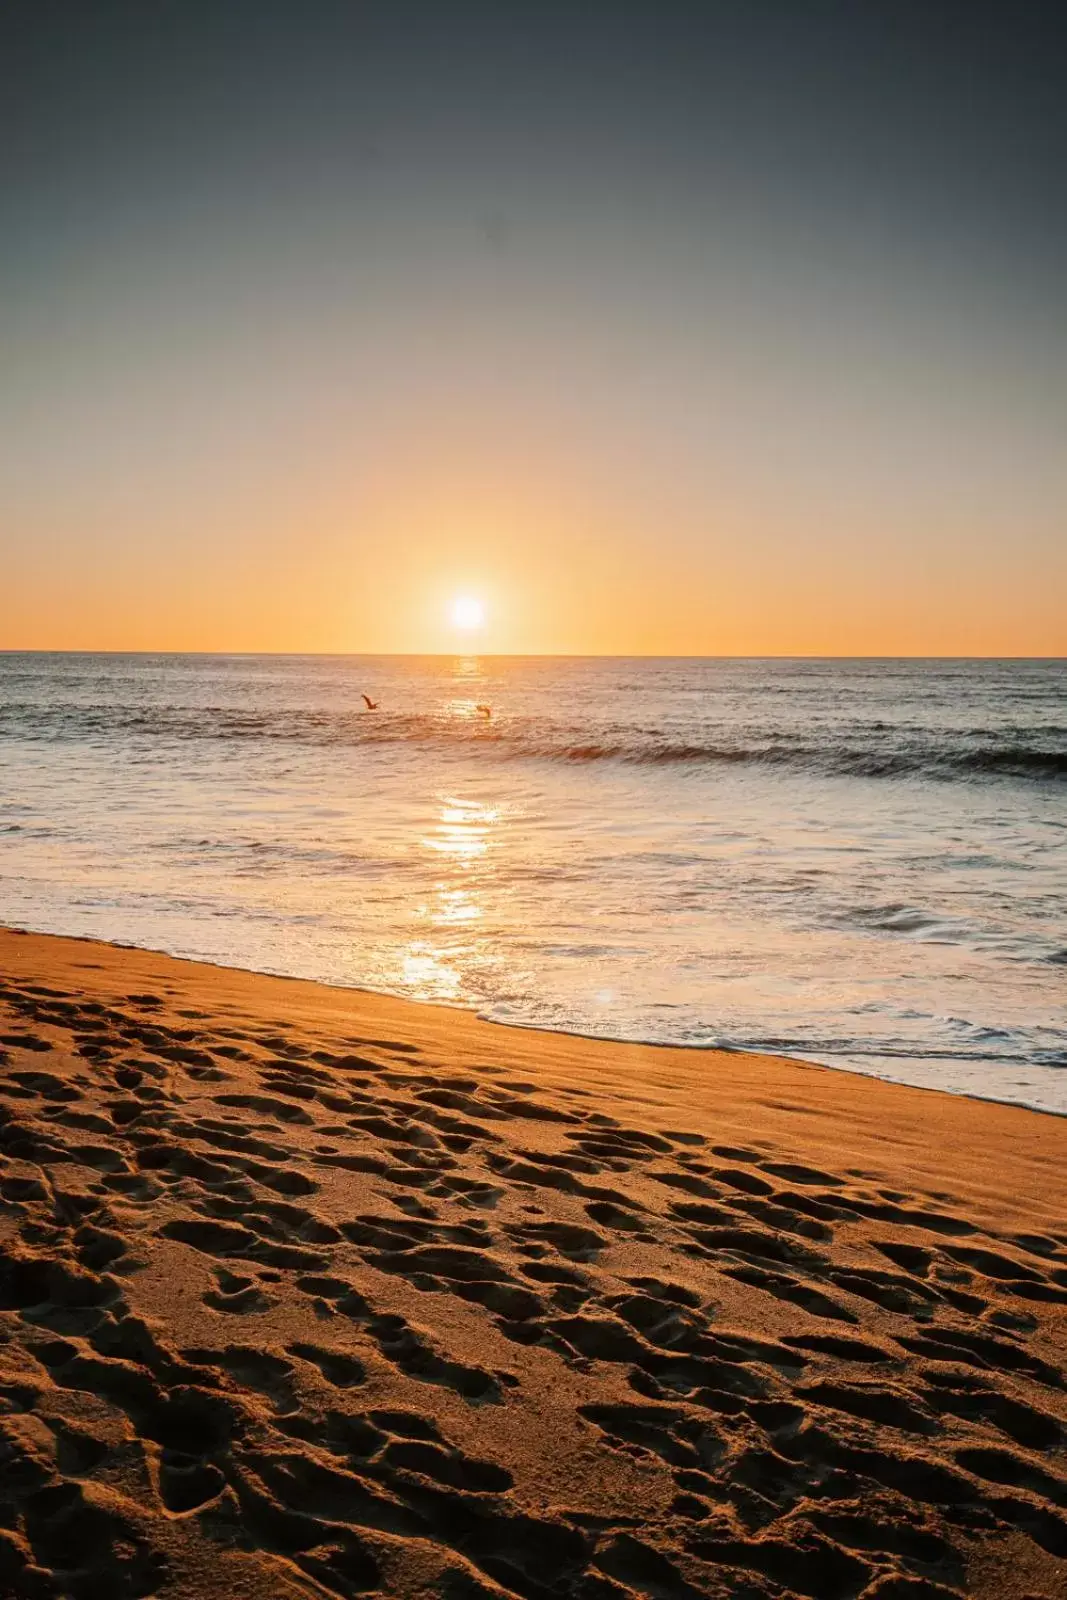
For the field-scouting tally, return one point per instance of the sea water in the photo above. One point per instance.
(862, 863)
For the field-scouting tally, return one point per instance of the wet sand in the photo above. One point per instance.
(310, 1292)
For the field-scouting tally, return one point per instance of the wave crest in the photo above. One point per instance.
(872, 751)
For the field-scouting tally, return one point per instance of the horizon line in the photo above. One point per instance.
(519, 655)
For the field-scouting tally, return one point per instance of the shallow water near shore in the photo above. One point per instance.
(862, 863)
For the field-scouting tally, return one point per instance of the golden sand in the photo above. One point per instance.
(306, 1291)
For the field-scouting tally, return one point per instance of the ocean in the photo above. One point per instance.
(861, 863)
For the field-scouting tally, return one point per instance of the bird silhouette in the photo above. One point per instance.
(487, 711)
(372, 705)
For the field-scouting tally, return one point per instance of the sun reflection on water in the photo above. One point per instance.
(455, 905)
(436, 964)
(427, 975)
(463, 829)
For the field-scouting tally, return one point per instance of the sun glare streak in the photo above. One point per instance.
(436, 964)
(455, 906)
(428, 975)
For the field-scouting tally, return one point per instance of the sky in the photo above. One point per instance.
(712, 328)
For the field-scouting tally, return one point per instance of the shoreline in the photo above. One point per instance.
(737, 1087)
(742, 1051)
(315, 1292)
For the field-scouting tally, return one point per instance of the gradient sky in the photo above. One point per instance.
(712, 328)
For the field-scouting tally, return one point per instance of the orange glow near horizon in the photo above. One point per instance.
(313, 346)
(533, 561)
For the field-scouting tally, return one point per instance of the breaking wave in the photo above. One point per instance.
(875, 751)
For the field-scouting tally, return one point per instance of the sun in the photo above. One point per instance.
(468, 613)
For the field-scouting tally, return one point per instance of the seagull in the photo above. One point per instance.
(372, 705)
(487, 711)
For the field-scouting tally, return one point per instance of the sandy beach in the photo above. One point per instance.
(305, 1291)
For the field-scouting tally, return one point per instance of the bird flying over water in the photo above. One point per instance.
(487, 711)
(372, 705)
